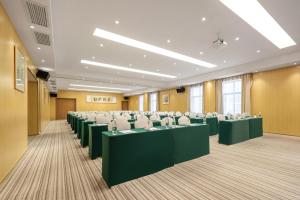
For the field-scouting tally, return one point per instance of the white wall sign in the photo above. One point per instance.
(101, 99)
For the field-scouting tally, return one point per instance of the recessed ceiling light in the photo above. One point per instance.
(252, 12)
(93, 57)
(203, 19)
(157, 70)
(145, 56)
(225, 61)
(257, 51)
(197, 69)
(31, 26)
(86, 67)
(39, 48)
(237, 38)
(256, 71)
(100, 87)
(101, 45)
(201, 52)
(91, 90)
(143, 76)
(43, 61)
(130, 65)
(124, 68)
(148, 47)
(174, 63)
(117, 22)
(168, 41)
(295, 63)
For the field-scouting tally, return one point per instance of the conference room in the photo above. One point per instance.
(164, 100)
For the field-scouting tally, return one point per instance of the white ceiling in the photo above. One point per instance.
(73, 22)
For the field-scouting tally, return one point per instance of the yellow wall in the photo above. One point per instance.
(82, 105)
(209, 88)
(13, 104)
(146, 102)
(134, 103)
(276, 94)
(33, 127)
(178, 101)
(44, 105)
(52, 108)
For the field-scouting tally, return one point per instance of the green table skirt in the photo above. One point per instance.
(129, 156)
(255, 127)
(95, 139)
(233, 131)
(84, 139)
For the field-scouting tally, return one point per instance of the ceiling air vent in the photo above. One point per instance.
(37, 13)
(42, 38)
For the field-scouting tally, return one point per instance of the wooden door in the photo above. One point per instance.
(125, 105)
(63, 106)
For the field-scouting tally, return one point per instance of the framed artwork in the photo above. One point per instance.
(165, 99)
(19, 70)
(101, 99)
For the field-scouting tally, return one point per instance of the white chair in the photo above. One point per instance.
(178, 114)
(142, 123)
(221, 117)
(101, 119)
(92, 117)
(184, 121)
(166, 120)
(122, 124)
(155, 117)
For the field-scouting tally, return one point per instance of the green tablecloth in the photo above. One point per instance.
(129, 156)
(163, 116)
(233, 131)
(95, 139)
(196, 120)
(190, 142)
(84, 139)
(78, 127)
(255, 127)
(213, 125)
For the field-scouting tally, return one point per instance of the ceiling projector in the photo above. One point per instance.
(219, 43)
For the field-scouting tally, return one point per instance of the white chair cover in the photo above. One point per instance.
(122, 124)
(178, 114)
(221, 117)
(165, 120)
(142, 123)
(184, 121)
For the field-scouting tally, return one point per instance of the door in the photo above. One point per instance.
(124, 105)
(63, 106)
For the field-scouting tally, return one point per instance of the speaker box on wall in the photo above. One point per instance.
(53, 94)
(42, 75)
(180, 90)
(126, 98)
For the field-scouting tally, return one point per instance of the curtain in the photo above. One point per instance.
(219, 102)
(196, 98)
(246, 93)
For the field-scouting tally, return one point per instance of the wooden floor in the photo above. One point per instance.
(56, 167)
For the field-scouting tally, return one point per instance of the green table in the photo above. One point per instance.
(213, 125)
(255, 127)
(129, 156)
(233, 131)
(84, 139)
(95, 139)
(133, 155)
(78, 127)
(163, 116)
(190, 142)
(196, 120)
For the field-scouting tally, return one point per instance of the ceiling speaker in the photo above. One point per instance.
(180, 90)
(42, 75)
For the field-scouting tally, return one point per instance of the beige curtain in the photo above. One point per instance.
(246, 93)
(219, 100)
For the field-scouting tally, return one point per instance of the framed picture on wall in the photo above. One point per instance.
(165, 99)
(19, 70)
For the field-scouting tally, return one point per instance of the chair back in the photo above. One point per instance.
(184, 121)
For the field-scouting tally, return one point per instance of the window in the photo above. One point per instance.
(232, 96)
(141, 103)
(196, 99)
(153, 102)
